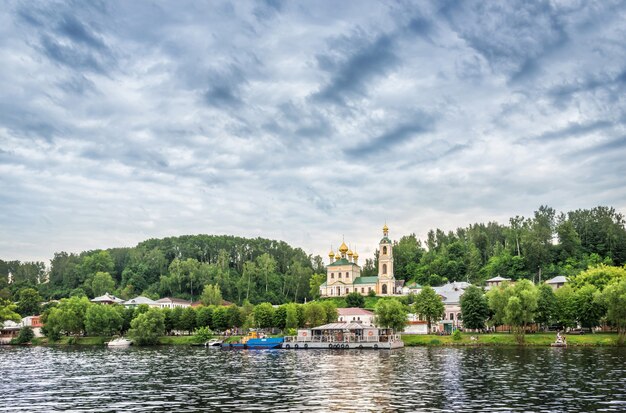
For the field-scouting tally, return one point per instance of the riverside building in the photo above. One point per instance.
(343, 273)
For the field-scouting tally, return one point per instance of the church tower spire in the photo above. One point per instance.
(385, 263)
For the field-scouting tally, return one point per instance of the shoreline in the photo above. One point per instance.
(416, 340)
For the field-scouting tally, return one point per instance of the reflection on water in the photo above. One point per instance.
(411, 379)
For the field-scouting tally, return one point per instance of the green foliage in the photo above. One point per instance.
(355, 299)
(291, 318)
(457, 336)
(391, 314)
(599, 276)
(103, 320)
(565, 306)
(330, 309)
(515, 305)
(148, 327)
(314, 285)
(588, 305)
(546, 305)
(25, 336)
(474, 308)
(188, 320)
(8, 311)
(202, 335)
(264, 315)
(315, 314)
(68, 317)
(371, 293)
(102, 283)
(220, 318)
(614, 298)
(280, 317)
(204, 316)
(429, 306)
(29, 302)
(235, 316)
(211, 295)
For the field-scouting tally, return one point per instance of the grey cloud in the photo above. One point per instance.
(420, 125)
(572, 130)
(351, 77)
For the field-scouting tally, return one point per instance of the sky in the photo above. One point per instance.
(305, 121)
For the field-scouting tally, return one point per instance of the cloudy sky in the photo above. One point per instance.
(302, 121)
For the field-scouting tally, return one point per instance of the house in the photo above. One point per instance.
(168, 302)
(137, 301)
(557, 282)
(107, 299)
(495, 281)
(11, 329)
(411, 288)
(355, 315)
(415, 325)
(451, 296)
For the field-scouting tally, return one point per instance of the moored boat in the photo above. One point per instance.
(344, 336)
(119, 342)
(214, 342)
(255, 341)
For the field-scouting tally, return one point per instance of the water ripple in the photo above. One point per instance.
(413, 379)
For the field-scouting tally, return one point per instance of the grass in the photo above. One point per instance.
(505, 339)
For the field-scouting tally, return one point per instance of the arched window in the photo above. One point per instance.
(384, 288)
(338, 290)
(384, 268)
(451, 316)
(385, 250)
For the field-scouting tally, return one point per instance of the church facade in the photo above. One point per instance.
(343, 273)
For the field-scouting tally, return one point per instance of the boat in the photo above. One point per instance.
(214, 342)
(344, 336)
(561, 341)
(119, 342)
(256, 341)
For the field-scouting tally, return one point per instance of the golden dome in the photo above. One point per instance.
(331, 254)
(350, 253)
(355, 255)
(385, 228)
(343, 248)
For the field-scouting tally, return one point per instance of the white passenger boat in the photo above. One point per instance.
(214, 342)
(119, 342)
(344, 336)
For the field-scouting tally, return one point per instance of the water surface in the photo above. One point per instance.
(411, 379)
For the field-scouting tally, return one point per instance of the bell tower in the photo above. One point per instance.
(385, 256)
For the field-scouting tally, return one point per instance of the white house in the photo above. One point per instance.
(355, 315)
(107, 299)
(451, 296)
(168, 302)
(557, 282)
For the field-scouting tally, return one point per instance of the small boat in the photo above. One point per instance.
(119, 342)
(254, 341)
(561, 341)
(214, 342)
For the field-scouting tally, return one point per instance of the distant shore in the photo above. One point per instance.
(410, 340)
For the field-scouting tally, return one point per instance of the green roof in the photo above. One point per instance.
(385, 240)
(365, 280)
(342, 261)
(414, 285)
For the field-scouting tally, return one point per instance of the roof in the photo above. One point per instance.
(139, 300)
(107, 298)
(559, 279)
(498, 278)
(452, 292)
(173, 300)
(385, 240)
(365, 280)
(399, 283)
(353, 311)
(342, 261)
(340, 326)
(414, 285)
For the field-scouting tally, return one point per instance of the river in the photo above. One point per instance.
(187, 379)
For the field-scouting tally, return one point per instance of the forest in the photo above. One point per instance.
(261, 270)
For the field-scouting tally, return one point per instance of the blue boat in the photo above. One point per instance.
(253, 342)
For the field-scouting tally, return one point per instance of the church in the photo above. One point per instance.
(343, 273)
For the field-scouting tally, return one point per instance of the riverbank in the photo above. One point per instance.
(505, 339)
(102, 340)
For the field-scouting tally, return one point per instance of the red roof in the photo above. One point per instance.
(353, 311)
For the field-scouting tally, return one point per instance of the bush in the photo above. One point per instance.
(435, 342)
(25, 336)
(372, 293)
(355, 300)
(456, 336)
(202, 335)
